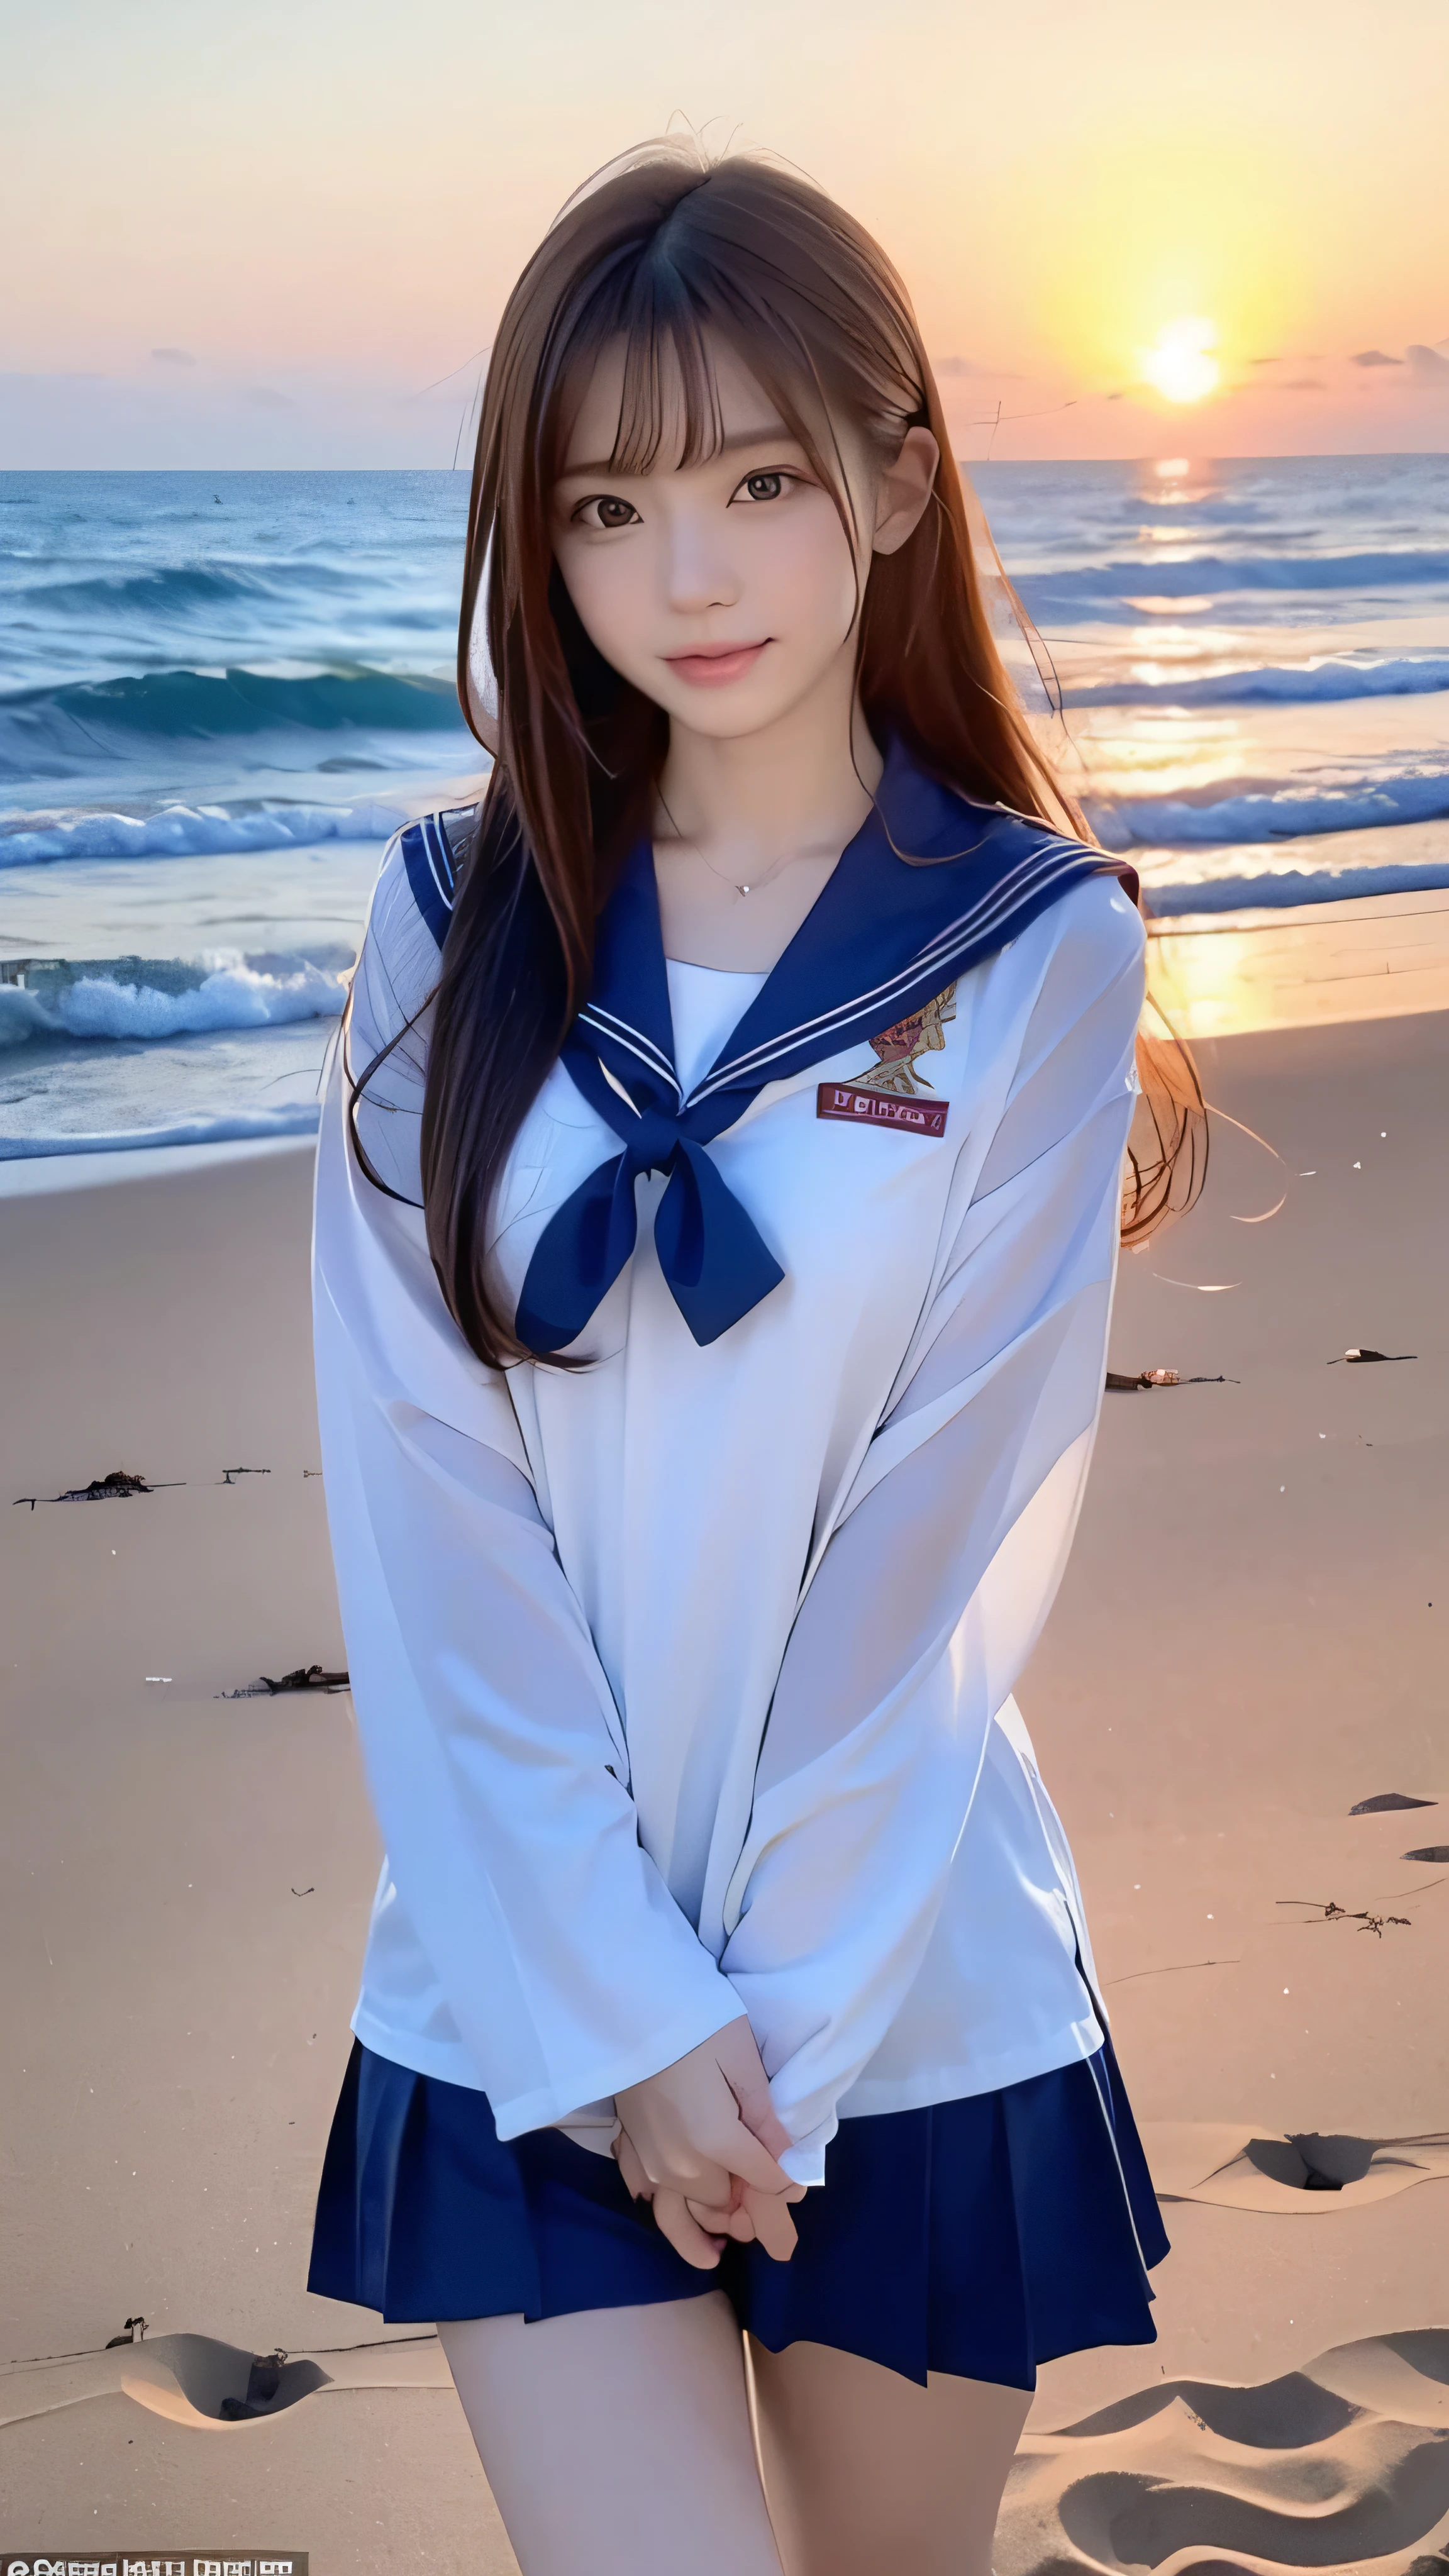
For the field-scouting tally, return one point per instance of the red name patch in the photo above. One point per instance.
(880, 1108)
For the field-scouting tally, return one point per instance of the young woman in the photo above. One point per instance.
(716, 1225)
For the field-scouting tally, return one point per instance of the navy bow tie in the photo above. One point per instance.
(709, 1250)
(885, 936)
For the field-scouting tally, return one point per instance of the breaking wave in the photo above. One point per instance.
(191, 831)
(171, 591)
(124, 717)
(1114, 589)
(1260, 886)
(1277, 814)
(101, 1006)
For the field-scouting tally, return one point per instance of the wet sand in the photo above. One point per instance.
(1243, 1650)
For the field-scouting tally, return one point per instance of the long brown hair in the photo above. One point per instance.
(663, 251)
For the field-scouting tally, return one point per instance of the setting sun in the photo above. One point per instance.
(1180, 364)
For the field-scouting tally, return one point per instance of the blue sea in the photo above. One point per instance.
(219, 694)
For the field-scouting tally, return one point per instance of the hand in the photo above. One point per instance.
(699, 2139)
(751, 2215)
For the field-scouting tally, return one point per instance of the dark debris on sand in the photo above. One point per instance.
(1365, 1917)
(1118, 1384)
(103, 1489)
(1388, 1800)
(307, 1677)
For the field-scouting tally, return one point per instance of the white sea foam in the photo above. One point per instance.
(189, 831)
(233, 1128)
(24, 1015)
(234, 997)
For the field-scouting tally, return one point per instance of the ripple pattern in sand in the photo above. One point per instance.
(1341, 2466)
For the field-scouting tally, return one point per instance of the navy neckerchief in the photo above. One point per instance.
(883, 938)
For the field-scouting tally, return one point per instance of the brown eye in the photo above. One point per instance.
(605, 510)
(762, 487)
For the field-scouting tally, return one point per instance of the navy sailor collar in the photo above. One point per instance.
(884, 937)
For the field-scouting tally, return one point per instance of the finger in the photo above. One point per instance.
(723, 2222)
(773, 2224)
(672, 2218)
(753, 2163)
(636, 2179)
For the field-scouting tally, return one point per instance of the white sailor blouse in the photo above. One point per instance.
(684, 1679)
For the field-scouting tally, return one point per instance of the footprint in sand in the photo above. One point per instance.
(1307, 2175)
(214, 2387)
(192, 2379)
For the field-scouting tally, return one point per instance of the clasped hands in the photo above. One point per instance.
(699, 2140)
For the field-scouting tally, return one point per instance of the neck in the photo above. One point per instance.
(802, 784)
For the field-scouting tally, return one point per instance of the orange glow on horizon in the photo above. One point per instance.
(262, 256)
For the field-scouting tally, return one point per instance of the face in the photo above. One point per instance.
(725, 590)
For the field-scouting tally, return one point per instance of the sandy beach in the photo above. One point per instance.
(1249, 1644)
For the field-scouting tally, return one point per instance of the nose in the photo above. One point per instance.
(699, 573)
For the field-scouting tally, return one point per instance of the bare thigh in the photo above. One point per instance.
(618, 2442)
(864, 2470)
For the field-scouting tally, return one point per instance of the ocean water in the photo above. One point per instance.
(220, 693)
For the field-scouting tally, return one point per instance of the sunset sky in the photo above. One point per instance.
(260, 232)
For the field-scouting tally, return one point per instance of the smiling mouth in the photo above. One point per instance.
(713, 666)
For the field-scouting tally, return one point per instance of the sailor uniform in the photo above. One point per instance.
(684, 1679)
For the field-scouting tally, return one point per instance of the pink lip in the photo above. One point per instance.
(713, 666)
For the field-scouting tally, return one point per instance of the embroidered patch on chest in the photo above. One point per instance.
(889, 1093)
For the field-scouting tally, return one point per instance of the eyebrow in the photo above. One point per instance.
(772, 429)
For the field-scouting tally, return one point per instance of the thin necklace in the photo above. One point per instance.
(755, 884)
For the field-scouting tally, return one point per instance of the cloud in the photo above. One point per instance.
(1301, 385)
(267, 398)
(1426, 365)
(1373, 358)
(172, 358)
(1266, 362)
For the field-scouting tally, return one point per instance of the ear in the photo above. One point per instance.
(904, 490)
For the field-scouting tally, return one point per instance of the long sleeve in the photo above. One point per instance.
(495, 1755)
(931, 1584)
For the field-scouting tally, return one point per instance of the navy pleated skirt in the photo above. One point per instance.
(978, 2237)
